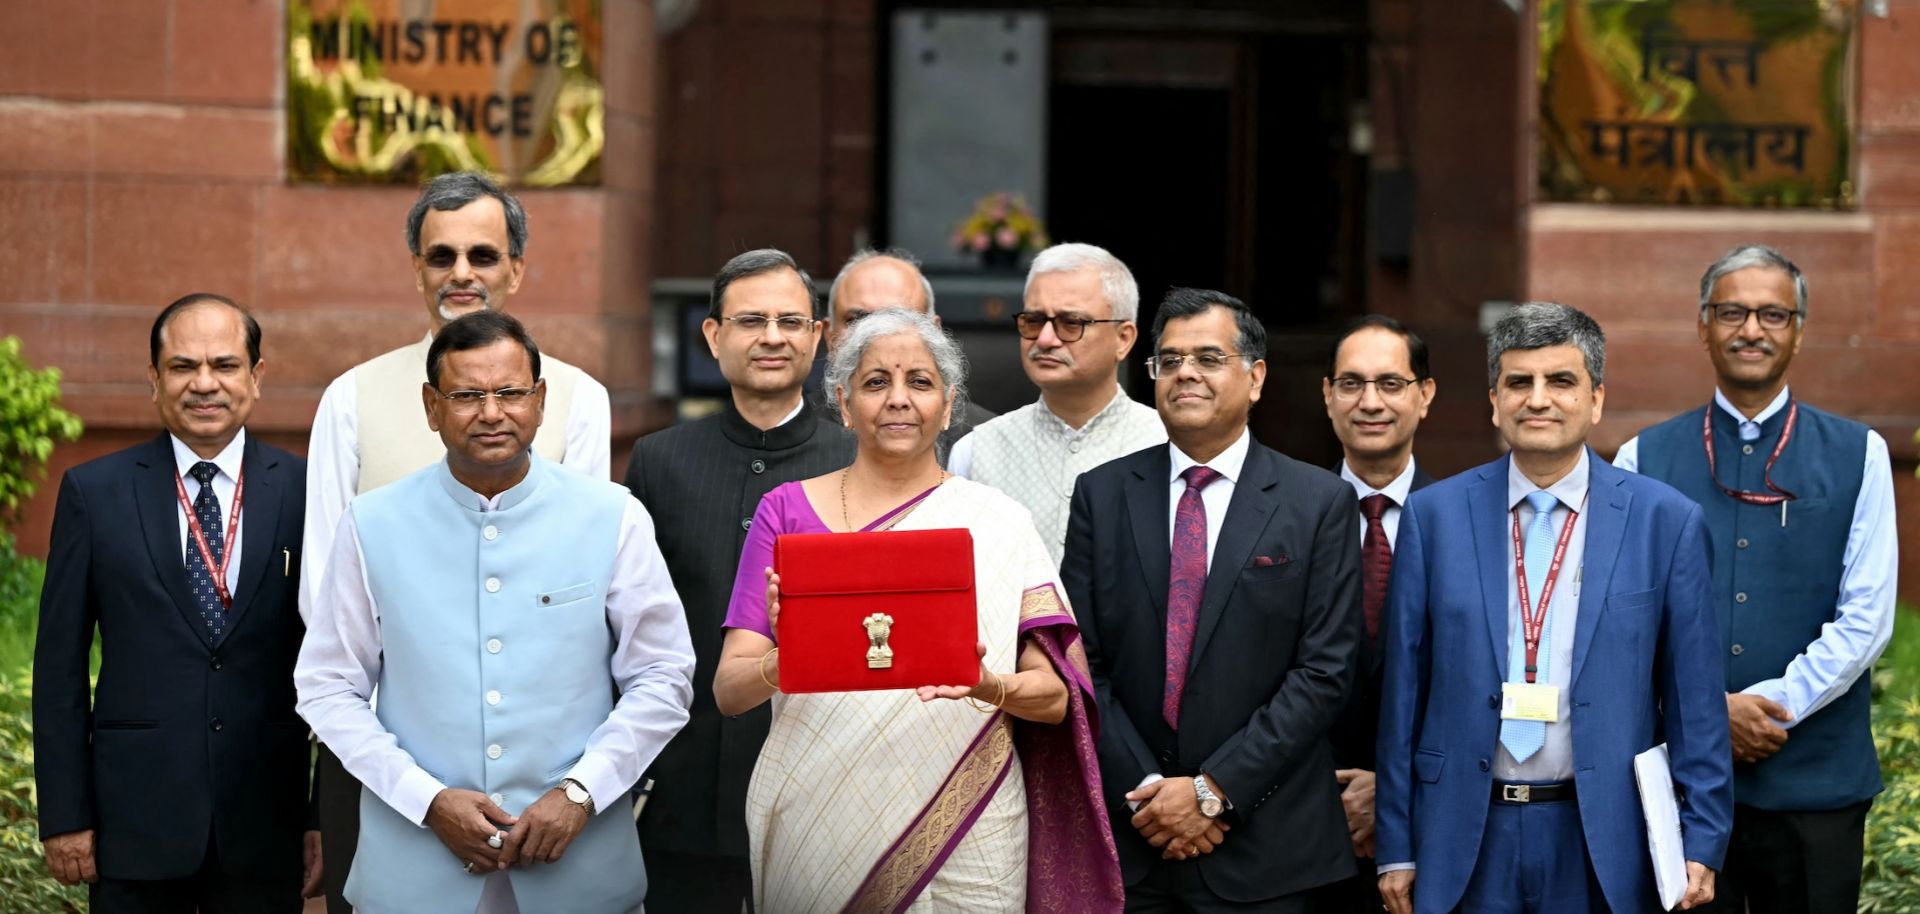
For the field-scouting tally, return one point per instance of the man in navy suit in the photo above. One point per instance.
(1549, 618)
(1218, 591)
(180, 783)
(1377, 389)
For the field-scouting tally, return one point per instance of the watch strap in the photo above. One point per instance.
(587, 804)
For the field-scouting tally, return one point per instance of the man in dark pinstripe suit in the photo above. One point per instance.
(701, 482)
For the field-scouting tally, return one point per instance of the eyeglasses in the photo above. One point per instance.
(757, 323)
(1068, 327)
(1772, 317)
(1391, 387)
(1162, 366)
(441, 257)
(466, 402)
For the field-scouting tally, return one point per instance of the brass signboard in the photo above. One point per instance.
(1716, 102)
(393, 91)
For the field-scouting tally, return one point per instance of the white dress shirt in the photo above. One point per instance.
(224, 483)
(343, 645)
(1863, 618)
(1396, 493)
(1554, 761)
(333, 463)
(1216, 496)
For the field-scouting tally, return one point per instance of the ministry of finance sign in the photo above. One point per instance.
(393, 91)
(1698, 102)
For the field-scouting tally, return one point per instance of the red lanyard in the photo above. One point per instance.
(1533, 619)
(219, 568)
(1755, 498)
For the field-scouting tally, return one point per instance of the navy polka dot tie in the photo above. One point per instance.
(206, 509)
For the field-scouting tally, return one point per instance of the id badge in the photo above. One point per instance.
(1529, 701)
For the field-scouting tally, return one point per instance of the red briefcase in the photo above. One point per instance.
(865, 611)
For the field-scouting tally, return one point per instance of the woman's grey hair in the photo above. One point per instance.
(865, 254)
(947, 357)
(1539, 324)
(455, 190)
(1116, 281)
(1746, 257)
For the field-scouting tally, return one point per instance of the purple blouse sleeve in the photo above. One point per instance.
(748, 607)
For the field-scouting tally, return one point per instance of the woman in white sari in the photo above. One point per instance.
(897, 801)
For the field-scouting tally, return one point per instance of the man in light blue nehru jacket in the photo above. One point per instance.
(529, 650)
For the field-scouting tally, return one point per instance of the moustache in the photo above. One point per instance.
(1765, 346)
(1060, 355)
(440, 297)
(197, 402)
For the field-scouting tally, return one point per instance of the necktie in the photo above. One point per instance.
(1186, 585)
(206, 509)
(1376, 563)
(1525, 737)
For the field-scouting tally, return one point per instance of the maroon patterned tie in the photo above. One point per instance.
(1186, 585)
(1376, 563)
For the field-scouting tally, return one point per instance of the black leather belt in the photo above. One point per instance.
(1517, 794)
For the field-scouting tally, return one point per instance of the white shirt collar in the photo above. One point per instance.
(1571, 489)
(1779, 403)
(1049, 418)
(796, 411)
(228, 460)
(1396, 491)
(1227, 463)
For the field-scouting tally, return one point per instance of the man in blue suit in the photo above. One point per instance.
(1517, 692)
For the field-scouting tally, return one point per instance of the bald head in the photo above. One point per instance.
(875, 281)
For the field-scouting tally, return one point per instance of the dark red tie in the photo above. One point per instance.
(1186, 585)
(1376, 563)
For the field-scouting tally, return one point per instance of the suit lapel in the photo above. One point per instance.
(1607, 505)
(1246, 520)
(158, 505)
(259, 518)
(1146, 499)
(1487, 511)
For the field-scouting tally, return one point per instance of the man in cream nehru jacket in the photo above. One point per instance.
(468, 238)
(529, 649)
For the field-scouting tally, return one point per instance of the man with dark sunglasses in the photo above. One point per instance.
(1075, 330)
(1799, 504)
(468, 238)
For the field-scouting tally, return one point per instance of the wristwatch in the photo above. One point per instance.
(1211, 805)
(577, 794)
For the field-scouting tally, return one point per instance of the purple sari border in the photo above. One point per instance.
(881, 522)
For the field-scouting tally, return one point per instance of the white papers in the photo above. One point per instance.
(1657, 801)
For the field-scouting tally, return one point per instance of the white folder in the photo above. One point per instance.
(1657, 801)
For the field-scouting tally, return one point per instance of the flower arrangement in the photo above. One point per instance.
(1001, 223)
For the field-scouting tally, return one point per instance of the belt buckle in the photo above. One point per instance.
(1516, 793)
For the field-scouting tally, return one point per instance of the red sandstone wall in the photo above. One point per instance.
(142, 157)
(1638, 270)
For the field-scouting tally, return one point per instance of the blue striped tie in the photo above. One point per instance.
(1523, 738)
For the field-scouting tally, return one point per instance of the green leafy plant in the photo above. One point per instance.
(25, 886)
(1890, 876)
(31, 422)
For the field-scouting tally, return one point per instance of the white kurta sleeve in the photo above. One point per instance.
(652, 666)
(590, 430)
(339, 664)
(333, 477)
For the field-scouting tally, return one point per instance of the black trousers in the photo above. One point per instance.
(339, 826)
(1176, 887)
(697, 883)
(209, 891)
(1792, 862)
(1358, 895)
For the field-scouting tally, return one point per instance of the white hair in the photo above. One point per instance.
(1116, 281)
(948, 360)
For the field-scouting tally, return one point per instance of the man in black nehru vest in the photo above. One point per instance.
(701, 482)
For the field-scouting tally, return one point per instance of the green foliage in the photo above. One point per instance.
(31, 421)
(1890, 878)
(25, 886)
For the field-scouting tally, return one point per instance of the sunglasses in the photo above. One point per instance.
(441, 257)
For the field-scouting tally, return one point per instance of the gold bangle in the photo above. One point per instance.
(763, 668)
(998, 703)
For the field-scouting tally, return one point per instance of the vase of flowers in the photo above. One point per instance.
(1001, 228)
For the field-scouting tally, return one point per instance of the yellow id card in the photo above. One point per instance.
(1529, 701)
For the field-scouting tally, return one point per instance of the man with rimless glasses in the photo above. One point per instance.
(468, 238)
(1799, 504)
(1377, 390)
(1077, 327)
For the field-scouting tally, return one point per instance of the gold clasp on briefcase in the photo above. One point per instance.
(879, 626)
